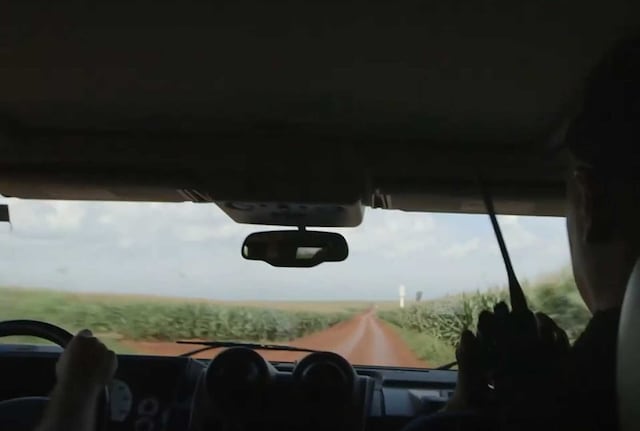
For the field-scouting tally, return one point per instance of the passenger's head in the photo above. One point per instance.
(603, 216)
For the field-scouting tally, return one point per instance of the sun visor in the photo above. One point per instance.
(35, 186)
(468, 204)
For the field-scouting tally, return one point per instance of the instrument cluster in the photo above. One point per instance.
(240, 389)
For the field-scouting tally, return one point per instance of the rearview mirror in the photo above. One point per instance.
(295, 248)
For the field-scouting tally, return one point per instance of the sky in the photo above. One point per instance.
(193, 250)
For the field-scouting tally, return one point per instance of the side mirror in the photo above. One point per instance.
(295, 248)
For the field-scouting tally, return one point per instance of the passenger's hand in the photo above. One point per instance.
(86, 364)
(526, 355)
(472, 388)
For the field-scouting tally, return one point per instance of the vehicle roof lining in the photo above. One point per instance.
(237, 99)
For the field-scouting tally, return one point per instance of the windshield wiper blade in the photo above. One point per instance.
(209, 345)
(447, 366)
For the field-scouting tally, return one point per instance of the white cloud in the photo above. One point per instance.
(463, 249)
(106, 218)
(46, 218)
(392, 234)
(65, 215)
(516, 235)
(125, 242)
(508, 220)
(199, 232)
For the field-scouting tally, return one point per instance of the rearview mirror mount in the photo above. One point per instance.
(295, 248)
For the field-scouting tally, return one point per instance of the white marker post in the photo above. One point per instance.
(402, 291)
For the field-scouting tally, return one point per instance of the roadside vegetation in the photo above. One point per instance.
(440, 322)
(161, 319)
(434, 351)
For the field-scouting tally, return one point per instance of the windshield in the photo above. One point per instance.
(143, 275)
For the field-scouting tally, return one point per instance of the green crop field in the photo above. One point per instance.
(318, 306)
(439, 323)
(154, 318)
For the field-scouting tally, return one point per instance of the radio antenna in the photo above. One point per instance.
(516, 295)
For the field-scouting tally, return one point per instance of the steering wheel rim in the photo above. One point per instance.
(34, 406)
(36, 328)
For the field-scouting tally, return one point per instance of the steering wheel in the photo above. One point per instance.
(25, 413)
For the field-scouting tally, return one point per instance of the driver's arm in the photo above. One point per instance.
(83, 370)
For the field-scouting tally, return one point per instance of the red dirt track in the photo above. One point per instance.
(362, 340)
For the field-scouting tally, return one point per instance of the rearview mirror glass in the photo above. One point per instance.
(293, 248)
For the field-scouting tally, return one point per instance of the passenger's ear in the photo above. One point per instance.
(595, 207)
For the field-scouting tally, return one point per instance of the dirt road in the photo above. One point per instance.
(363, 340)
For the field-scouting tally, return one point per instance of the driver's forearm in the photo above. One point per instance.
(70, 409)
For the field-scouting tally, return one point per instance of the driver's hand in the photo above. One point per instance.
(86, 363)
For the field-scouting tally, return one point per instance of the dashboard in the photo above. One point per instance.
(239, 389)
